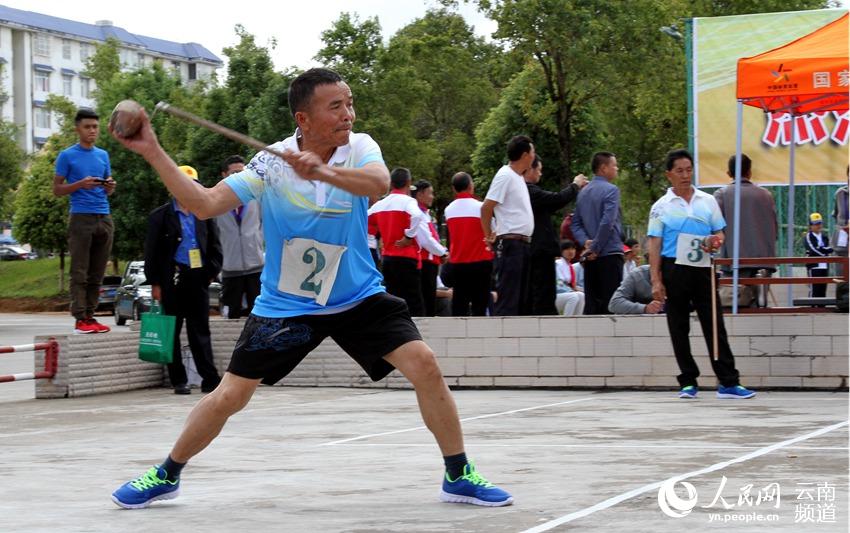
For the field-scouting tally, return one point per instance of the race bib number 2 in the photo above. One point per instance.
(689, 251)
(309, 268)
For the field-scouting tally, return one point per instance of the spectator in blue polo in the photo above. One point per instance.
(685, 227)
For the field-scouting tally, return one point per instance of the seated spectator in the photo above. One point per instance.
(631, 256)
(634, 295)
(444, 299)
(569, 297)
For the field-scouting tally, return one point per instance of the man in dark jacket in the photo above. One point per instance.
(544, 241)
(182, 257)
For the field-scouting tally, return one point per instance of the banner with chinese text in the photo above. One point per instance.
(821, 138)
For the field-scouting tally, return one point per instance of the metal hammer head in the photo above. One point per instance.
(159, 106)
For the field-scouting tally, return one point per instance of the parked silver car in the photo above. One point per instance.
(134, 297)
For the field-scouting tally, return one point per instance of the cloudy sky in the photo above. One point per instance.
(297, 29)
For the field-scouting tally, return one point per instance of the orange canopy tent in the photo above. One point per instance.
(804, 76)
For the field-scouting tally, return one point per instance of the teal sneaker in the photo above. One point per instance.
(471, 487)
(145, 489)
(736, 392)
(688, 393)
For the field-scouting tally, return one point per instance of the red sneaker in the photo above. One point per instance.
(99, 328)
(85, 326)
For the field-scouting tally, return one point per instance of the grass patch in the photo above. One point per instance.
(38, 278)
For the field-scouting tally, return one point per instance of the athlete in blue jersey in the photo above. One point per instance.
(685, 227)
(319, 281)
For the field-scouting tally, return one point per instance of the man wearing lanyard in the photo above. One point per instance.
(685, 227)
(182, 257)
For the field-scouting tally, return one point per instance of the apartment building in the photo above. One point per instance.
(42, 55)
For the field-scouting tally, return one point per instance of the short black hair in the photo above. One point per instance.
(675, 155)
(746, 165)
(517, 146)
(599, 159)
(536, 162)
(567, 244)
(230, 161)
(84, 113)
(302, 88)
(461, 181)
(630, 242)
(399, 177)
(420, 186)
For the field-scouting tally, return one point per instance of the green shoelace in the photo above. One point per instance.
(148, 480)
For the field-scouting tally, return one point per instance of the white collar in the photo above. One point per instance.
(339, 155)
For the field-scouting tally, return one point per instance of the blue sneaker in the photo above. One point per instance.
(737, 391)
(688, 393)
(147, 488)
(472, 488)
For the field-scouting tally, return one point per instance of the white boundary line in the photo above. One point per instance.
(352, 439)
(709, 447)
(610, 502)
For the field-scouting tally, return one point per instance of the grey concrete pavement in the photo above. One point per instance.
(324, 459)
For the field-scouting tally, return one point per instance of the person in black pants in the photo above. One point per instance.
(544, 242)
(182, 256)
(817, 245)
(597, 225)
(685, 227)
(423, 192)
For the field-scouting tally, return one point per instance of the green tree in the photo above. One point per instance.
(41, 218)
(250, 73)
(138, 188)
(524, 108)
(11, 168)
(104, 64)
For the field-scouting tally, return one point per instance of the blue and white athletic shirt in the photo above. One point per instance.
(317, 252)
(671, 215)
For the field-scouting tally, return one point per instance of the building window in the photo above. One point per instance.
(66, 84)
(140, 59)
(42, 118)
(66, 49)
(193, 71)
(85, 87)
(176, 66)
(41, 45)
(85, 52)
(42, 81)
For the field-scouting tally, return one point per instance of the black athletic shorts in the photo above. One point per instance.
(270, 348)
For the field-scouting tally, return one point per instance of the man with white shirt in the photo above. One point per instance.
(508, 201)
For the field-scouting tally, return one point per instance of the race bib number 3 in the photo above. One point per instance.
(309, 268)
(689, 251)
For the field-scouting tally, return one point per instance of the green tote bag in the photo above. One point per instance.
(156, 339)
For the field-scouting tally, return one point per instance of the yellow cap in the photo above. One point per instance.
(189, 171)
(815, 218)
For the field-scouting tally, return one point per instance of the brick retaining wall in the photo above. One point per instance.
(788, 351)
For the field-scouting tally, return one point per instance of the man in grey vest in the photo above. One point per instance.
(241, 235)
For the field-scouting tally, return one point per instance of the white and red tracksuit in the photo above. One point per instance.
(470, 258)
(394, 217)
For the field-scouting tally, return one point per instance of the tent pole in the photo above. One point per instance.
(736, 216)
(791, 227)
